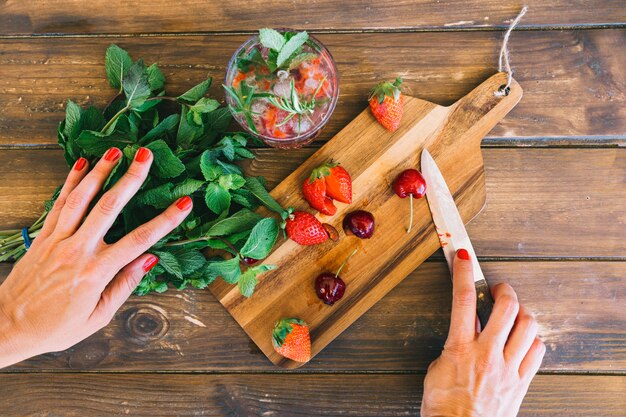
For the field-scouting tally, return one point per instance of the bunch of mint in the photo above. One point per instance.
(193, 155)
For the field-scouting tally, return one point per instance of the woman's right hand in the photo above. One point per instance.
(70, 283)
(482, 373)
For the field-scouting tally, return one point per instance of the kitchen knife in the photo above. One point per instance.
(452, 233)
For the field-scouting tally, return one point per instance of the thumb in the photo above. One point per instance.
(121, 287)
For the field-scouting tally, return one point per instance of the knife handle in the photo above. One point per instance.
(484, 302)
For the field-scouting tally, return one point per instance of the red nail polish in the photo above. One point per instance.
(184, 203)
(463, 254)
(112, 155)
(142, 155)
(150, 263)
(80, 164)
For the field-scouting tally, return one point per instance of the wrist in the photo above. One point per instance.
(10, 351)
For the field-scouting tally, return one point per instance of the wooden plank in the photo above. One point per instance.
(267, 395)
(72, 16)
(372, 155)
(540, 202)
(579, 307)
(574, 82)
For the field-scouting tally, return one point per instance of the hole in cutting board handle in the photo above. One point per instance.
(504, 89)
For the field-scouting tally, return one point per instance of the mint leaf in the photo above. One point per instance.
(300, 58)
(219, 120)
(165, 163)
(187, 187)
(227, 269)
(169, 263)
(210, 170)
(156, 79)
(291, 47)
(271, 38)
(231, 181)
(116, 63)
(244, 198)
(255, 187)
(164, 128)
(96, 143)
(196, 93)
(136, 86)
(72, 116)
(248, 280)
(187, 132)
(165, 194)
(190, 261)
(238, 222)
(91, 119)
(217, 198)
(261, 240)
(205, 105)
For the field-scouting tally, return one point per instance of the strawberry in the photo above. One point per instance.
(327, 181)
(339, 183)
(291, 338)
(386, 102)
(304, 229)
(314, 190)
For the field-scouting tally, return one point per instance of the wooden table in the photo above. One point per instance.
(554, 226)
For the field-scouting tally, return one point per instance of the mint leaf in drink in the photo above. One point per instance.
(271, 38)
(156, 79)
(166, 164)
(196, 93)
(261, 240)
(228, 270)
(135, 85)
(255, 186)
(217, 198)
(248, 280)
(116, 63)
(291, 47)
(300, 58)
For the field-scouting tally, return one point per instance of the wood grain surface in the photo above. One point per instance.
(160, 16)
(282, 395)
(574, 81)
(564, 203)
(579, 307)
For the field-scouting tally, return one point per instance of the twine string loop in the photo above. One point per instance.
(504, 63)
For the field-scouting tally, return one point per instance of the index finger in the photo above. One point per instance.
(463, 317)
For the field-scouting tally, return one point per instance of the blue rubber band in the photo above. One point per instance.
(27, 241)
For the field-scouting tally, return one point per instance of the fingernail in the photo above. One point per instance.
(80, 164)
(463, 254)
(142, 155)
(150, 263)
(112, 154)
(184, 203)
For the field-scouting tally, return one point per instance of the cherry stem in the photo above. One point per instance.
(411, 220)
(345, 262)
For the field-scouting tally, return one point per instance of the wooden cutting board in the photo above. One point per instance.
(373, 157)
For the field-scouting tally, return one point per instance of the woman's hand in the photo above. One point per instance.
(70, 283)
(483, 373)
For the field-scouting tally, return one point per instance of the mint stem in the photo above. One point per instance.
(114, 118)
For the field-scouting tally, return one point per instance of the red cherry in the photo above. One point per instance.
(249, 261)
(360, 223)
(410, 183)
(329, 288)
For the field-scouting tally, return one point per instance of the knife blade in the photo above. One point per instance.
(451, 231)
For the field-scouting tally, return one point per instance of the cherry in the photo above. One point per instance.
(330, 287)
(249, 261)
(410, 183)
(359, 223)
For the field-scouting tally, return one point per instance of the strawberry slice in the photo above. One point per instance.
(314, 190)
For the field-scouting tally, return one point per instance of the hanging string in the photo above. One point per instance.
(503, 62)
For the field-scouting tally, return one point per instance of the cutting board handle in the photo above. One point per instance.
(479, 111)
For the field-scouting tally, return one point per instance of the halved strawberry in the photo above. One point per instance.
(387, 103)
(338, 183)
(314, 190)
(291, 338)
(304, 228)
